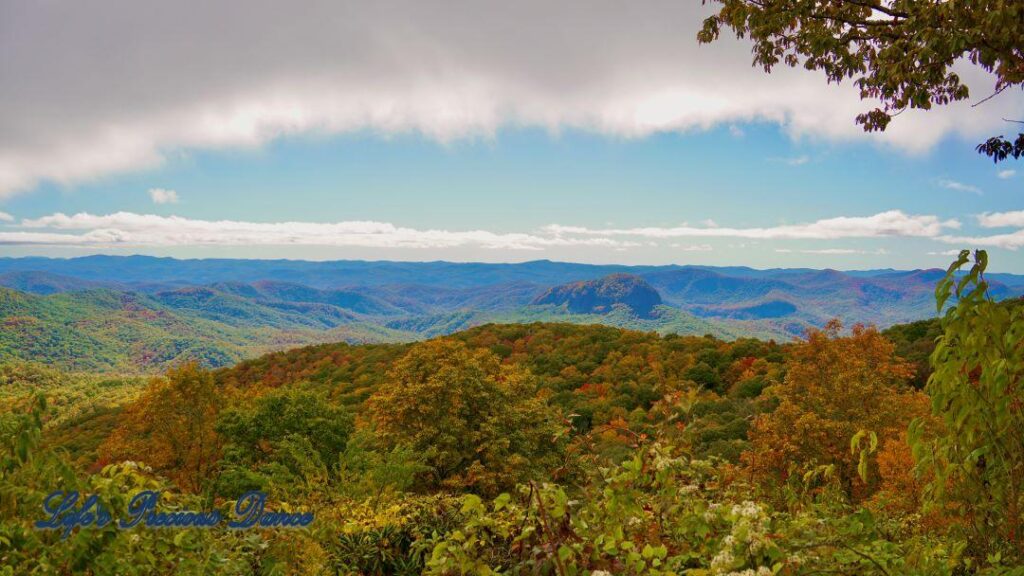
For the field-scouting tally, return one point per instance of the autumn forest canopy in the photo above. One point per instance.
(555, 449)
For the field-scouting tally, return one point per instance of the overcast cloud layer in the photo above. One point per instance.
(93, 88)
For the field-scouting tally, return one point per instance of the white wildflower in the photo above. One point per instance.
(711, 514)
(722, 561)
(747, 509)
(756, 544)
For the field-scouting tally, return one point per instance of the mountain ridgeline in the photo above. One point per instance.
(142, 314)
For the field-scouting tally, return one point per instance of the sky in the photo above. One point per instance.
(471, 131)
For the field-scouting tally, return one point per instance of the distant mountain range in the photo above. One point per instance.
(142, 313)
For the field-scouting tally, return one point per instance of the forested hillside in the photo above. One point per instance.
(553, 449)
(142, 315)
(105, 330)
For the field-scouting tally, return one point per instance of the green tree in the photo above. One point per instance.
(479, 423)
(364, 471)
(900, 52)
(288, 434)
(977, 389)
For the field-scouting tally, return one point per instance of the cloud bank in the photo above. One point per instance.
(1002, 219)
(1010, 241)
(91, 89)
(883, 224)
(128, 229)
(833, 251)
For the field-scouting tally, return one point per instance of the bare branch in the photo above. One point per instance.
(991, 96)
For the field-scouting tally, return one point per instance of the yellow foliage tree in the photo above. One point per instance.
(479, 423)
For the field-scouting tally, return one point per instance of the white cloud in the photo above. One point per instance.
(883, 224)
(959, 186)
(130, 229)
(5, 217)
(692, 247)
(736, 131)
(833, 251)
(1010, 241)
(234, 74)
(1006, 174)
(163, 196)
(952, 252)
(1002, 219)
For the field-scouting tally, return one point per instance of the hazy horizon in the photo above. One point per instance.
(482, 262)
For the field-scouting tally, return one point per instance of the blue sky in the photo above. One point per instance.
(458, 146)
(522, 180)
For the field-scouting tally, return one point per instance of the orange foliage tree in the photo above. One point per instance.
(171, 427)
(835, 387)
